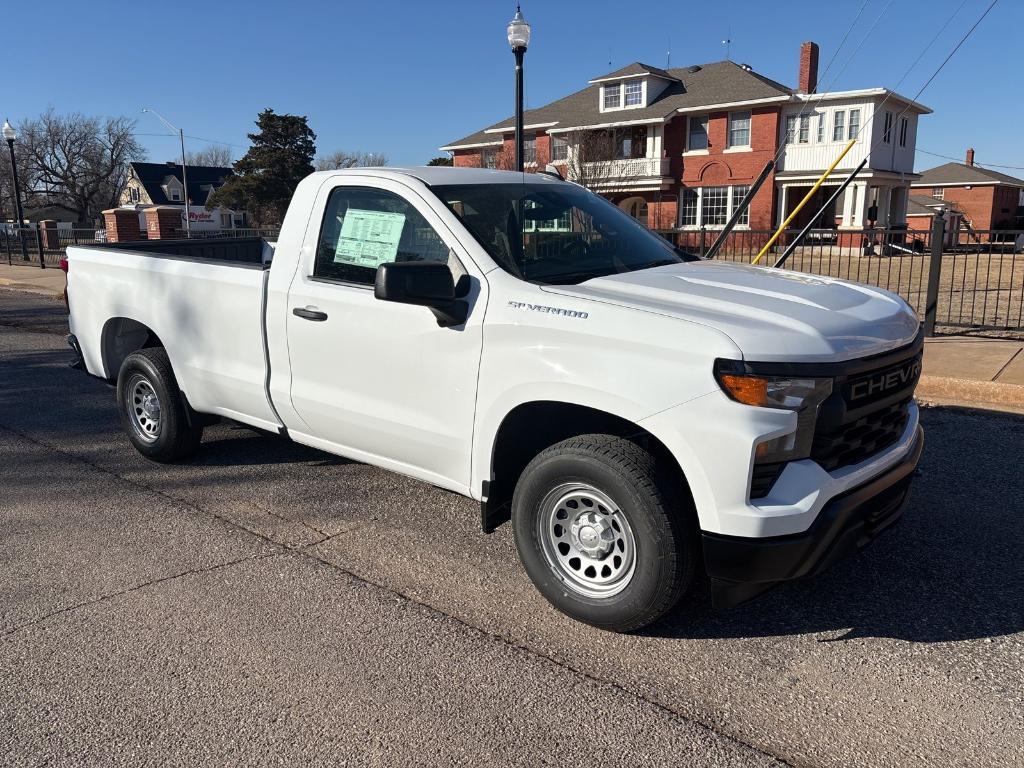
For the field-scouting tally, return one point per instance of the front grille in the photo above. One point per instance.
(853, 442)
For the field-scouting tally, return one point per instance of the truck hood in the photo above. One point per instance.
(770, 314)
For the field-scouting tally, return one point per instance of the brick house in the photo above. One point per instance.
(679, 148)
(160, 185)
(985, 199)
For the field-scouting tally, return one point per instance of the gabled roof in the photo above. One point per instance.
(960, 173)
(723, 82)
(202, 179)
(921, 205)
(637, 69)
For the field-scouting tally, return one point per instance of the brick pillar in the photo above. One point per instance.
(122, 225)
(163, 222)
(48, 232)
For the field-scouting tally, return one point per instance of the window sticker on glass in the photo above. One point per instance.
(369, 238)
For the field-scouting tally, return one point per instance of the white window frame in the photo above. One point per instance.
(850, 132)
(939, 193)
(732, 200)
(639, 94)
(789, 130)
(606, 92)
(729, 129)
(529, 148)
(559, 141)
(822, 117)
(707, 141)
(803, 130)
(493, 152)
(838, 124)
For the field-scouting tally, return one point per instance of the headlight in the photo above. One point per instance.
(791, 393)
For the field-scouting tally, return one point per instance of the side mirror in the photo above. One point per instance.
(425, 284)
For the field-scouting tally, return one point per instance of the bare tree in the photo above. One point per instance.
(214, 155)
(341, 159)
(78, 163)
(606, 161)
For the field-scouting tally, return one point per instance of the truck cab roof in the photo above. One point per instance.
(442, 175)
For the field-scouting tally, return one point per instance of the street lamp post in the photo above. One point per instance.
(184, 173)
(519, 38)
(11, 136)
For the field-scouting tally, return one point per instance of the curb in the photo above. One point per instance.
(971, 393)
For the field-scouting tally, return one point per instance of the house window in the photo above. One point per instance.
(225, 221)
(490, 157)
(938, 193)
(175, 194)
(698, 135)
(530, 148)
(711, 206)
(559, 148)
(854, 124)
(821, 127)
(634, 93)
(790, 128)
(612, 96)
(739, 129)
(805, 129)
(903, 131)
(887, 128)
(688, 207)
(838, 125)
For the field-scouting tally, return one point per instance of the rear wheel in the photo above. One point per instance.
(154, 414)
(603, 533)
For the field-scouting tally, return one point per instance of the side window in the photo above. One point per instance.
(364, 228)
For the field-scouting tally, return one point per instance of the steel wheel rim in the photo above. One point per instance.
(144, 410)
(587, 540)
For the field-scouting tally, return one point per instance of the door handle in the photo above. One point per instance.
(310, 314)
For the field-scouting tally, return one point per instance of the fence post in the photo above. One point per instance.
(7, 245)
(703, 249)
(934, 272)
(39, 245)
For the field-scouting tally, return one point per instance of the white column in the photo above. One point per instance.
(859, 205)
(883, 207)
(783, 197)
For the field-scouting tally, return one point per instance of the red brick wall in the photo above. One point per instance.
(163, 223)
(122, 225)
(467, 158)
(721, 168)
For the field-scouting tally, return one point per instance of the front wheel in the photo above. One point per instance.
(603, 533)
(154, 413)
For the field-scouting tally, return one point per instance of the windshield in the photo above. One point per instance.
(553, 233)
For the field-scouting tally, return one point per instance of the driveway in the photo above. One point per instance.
(268, 603)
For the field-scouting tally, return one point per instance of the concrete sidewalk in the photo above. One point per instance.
(974, 372)
(49, 281)
(958, 370)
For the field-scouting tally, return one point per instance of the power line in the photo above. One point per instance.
(960, 159)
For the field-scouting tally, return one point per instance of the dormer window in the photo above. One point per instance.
(613, 96)
(634, 93)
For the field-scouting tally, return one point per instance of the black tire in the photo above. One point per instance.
(177, 431)
(663, 529)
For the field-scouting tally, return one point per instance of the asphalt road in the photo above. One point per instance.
(267, 603)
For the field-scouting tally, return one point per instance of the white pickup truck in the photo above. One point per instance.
(641, 415)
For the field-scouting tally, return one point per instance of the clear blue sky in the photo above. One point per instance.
(403, 78)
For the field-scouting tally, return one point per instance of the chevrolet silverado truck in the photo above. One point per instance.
(641, 416)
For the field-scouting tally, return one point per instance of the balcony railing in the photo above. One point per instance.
(626, 172)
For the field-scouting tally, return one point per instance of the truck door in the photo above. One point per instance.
(379, 381)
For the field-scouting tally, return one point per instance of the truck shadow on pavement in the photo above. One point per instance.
(950, 570)
(248, 446)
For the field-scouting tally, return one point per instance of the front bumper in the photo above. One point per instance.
(741, 568)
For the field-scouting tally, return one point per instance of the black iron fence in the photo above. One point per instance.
(967, 283)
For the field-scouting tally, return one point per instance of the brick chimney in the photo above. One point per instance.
(970, 156)
(808, 81)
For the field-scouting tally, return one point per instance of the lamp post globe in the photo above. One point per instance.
(519, 38)
(10, 136)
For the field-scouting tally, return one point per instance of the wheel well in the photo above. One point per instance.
(531, 427)
(122, 336)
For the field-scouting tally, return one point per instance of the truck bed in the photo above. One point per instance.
(235, 251)
(207, 298)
